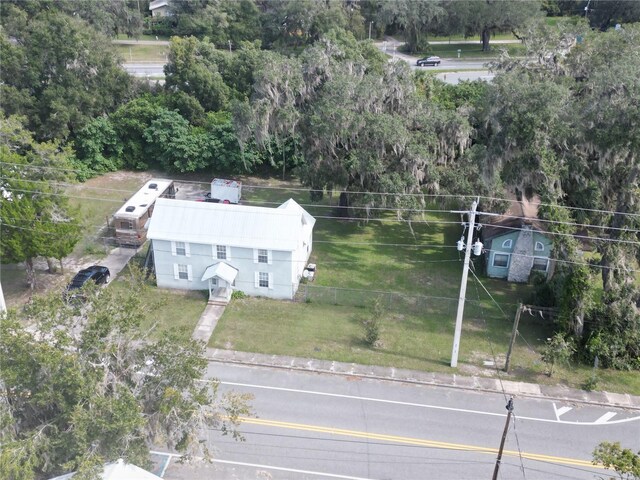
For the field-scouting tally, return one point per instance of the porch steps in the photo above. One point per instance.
(218, 301)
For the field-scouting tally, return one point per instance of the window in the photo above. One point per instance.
(214, 281)
(181, 249)
(126, 224)
(500, 260)
(221, 252)
(539, 247)
(263, 279)
(183, 272)
(507, 243)
(540, 263)
(263, 256)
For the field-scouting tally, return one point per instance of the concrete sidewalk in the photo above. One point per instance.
(451, 380)
(207, 323)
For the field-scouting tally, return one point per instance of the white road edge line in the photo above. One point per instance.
(421, 405)
(282, 469)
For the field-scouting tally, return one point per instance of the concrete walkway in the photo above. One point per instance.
(117, 260)
(207, 323)
(452, 380)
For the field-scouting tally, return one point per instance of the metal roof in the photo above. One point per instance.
(144, 197)
(227, 224)
(221, 270)
(118, 471)
(293, 206)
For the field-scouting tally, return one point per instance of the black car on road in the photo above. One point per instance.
(98, 274)
(426, 61)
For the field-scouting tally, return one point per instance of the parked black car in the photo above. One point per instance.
(99, 274)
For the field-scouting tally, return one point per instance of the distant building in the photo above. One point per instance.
(224, 247)
(159, 8)
(517, 244)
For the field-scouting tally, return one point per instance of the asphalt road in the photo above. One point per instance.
(145, 69)
(315, 426)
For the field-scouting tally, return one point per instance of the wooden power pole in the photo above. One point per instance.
(514, 332)
(509, 408)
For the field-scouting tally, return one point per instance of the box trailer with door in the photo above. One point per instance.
(226, 191)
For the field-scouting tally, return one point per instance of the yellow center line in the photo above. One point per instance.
(416, 441)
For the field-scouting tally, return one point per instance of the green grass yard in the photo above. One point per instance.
(468, 51)
(143, 53)
(168, 309)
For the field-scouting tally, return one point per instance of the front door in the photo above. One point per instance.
(213, 286)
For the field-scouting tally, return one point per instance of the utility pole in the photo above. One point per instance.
(370, 23)
(509, 408)
(3, 305)
(463, 283)
(514, 332)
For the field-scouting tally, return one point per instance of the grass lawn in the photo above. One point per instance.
(475, 50)
(169, 309)
(453, 38)
(123, 36)
(143, 53)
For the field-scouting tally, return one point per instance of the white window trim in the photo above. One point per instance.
(269, 280)
(214, 252)
(176, 272)
(174, 249)
(508, 243)
(546, 269)
(493, 260)
(539, 247)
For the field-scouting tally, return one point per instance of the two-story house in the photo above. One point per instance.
(224, 247)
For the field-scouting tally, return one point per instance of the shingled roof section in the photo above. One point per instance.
(520, 214)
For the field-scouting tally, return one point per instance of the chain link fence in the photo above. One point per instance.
(392, 301)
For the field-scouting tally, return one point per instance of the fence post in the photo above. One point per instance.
(335, 296)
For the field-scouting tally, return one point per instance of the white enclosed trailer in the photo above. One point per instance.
(226, 191)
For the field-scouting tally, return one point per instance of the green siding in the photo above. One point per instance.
(497, 248)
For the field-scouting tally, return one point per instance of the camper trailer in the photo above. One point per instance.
(131, 220)
(226, 191)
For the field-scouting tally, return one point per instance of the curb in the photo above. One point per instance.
(474, 384)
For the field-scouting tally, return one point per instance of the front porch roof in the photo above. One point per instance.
(221, 270)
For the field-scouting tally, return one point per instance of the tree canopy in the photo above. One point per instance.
(36, 217)
(84, 384)
(58, 72)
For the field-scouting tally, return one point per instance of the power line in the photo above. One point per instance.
(390, 209)
(611, 212)
(428, 195)
(602, 267)
(369, 219)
